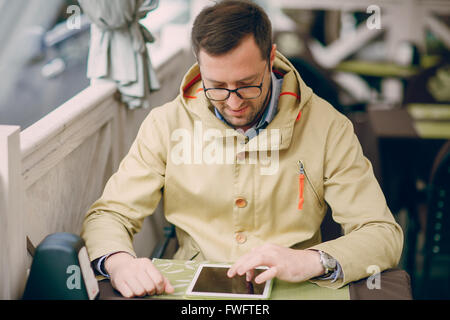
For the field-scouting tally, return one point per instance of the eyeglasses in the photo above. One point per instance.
(246, 92)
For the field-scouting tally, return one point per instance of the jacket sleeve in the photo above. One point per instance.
(130, 195)
(372, 239)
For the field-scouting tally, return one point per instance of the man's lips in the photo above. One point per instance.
(237, 112)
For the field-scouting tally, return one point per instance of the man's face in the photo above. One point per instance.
(242, 66)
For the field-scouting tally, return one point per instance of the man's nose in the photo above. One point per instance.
(234, 102)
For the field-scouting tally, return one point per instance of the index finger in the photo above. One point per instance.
(232, 271)
(247, 263)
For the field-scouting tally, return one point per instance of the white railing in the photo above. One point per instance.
(52, 172)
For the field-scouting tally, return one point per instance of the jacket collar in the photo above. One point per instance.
(293, 97)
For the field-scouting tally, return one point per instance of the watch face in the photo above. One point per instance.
(328, 262)
(331, 263)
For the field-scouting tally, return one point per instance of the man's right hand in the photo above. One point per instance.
(135, 276)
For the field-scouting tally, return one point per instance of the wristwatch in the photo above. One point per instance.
(328, 262)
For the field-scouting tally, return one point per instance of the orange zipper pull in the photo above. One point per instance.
(301, 182)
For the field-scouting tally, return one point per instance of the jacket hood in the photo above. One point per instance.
(293, 97)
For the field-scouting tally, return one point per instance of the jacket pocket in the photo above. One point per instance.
(194, 251)
(302, 174)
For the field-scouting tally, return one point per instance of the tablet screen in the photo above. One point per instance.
(212, 280)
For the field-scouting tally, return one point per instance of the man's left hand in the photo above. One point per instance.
(284, 263)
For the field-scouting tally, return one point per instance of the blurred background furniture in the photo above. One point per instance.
(435, 280)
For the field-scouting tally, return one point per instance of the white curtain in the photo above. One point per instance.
(118, 49)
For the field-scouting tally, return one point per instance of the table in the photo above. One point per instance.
(392, 123)
(394, 285)
(408, 140)
(414, 121)
(377, 69)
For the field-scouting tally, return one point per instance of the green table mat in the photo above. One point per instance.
(420, 111)
(180, 274)
(433, 129)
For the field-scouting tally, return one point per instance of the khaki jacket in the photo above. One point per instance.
(226, 195)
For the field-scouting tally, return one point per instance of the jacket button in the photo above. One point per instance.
(240, 238)
(241, 202)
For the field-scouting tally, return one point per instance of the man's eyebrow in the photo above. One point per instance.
(252, 77)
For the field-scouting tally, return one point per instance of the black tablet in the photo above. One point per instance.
(211, 280)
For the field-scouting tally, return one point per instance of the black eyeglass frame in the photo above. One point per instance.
(237, 89)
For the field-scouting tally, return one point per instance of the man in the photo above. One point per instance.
(246, 159)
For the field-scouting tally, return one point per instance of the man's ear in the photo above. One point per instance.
(273, 55)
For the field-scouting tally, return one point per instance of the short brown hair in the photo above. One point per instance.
(221, 27)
